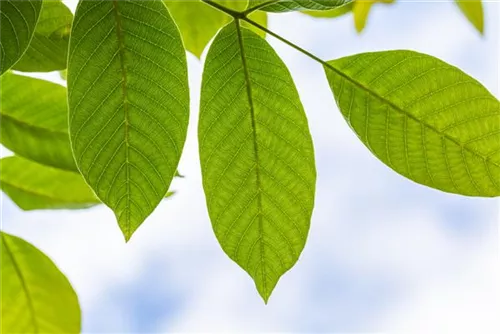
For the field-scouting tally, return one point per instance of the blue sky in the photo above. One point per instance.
(383, 255)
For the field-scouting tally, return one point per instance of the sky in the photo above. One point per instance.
(383, 255)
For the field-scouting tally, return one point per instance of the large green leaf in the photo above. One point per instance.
(35, 296)
(422, 117)
(48, 49)
(199, 22)
(256, 156)
(17, 24)
(128, 102)
(33, 186)
(473, 10)
(34, 120)
(293, 5)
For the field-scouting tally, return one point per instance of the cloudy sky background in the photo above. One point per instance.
(383, 255)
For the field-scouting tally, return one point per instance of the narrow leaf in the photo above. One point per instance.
(199, 22)
(256, 156)
(17, 24)
(422, 117)
(473, 10)
(336, 12)
(48, 49)
(33, 186)
(361, 9)
(287, 5)
(34, 120)
(36, 297)
(129, 103)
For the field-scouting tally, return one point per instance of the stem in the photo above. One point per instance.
(226, 10)
(284, 40)
(262, 5)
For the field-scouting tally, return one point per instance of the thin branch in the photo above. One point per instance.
(223, 9)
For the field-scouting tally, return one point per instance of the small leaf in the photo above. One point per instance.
(286, 5)
(34, 120)
(473, 10)
(128, 103)
(424, 118)
(199, 22)
(48, 49)
(361, 9)
(36, 297)
(17, 24)
(332, 13)
(256, 156)
(33, 186)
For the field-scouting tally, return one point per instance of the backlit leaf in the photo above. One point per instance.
(422, 117)
(36, 297)
(336, 12)
(287, 5)
(17, 24)
(129, 103)
(256, 156)
(199, 22)
(48, 49)
(33, 186)
(361, 9)
(34, 120)
(473, 10)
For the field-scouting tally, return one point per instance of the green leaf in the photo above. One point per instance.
(48, 49)
(128, 103)
(17, 24)
(361, 9)
(256, 156)
(34, 120)
(36, 297)
(199, 22)
(336, 12)
(424, 118)
(33, 186)
(473, 10)
(286, 5)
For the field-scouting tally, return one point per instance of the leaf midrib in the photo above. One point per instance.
(119, 34)
(256, 153)
(23, 284)
(407, 114)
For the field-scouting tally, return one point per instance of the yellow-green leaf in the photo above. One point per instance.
(424, 118)
(473, 10)
(128, 102)
(256, 154)
(35, 296)
(34, 120)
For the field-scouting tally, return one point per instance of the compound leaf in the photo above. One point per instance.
(34, 120)
(256, 156)
(33, 186)
(424, 118)
(128, 102)
(199, 22)
(473, 10)
(36, 297)
(17, 24)
(48, 49)
(287, 5)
